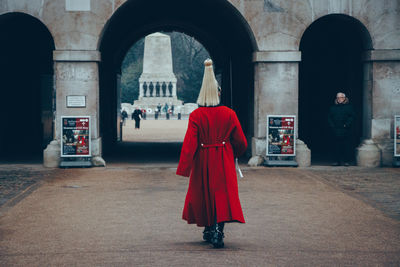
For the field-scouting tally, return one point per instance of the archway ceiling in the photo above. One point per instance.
(220, 32)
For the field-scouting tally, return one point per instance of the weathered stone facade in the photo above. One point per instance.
(275, 29)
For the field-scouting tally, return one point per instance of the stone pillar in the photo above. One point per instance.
(276, 93)
(381, 103)
(76, 73)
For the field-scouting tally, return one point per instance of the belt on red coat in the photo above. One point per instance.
(212, 145)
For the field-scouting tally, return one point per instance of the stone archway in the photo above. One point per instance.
(215, 23)
(332, 48)
(26, 89)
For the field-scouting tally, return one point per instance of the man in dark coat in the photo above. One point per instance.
(136, 116)
(340, 119)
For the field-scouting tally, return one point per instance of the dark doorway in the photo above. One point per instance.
(216, 24)
(26, 71)
(332, 49)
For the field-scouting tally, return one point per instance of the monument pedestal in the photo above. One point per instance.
(152, 102)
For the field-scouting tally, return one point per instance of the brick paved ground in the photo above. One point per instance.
(15, 178)
(155, 131)
(129, 215)
(379, 187)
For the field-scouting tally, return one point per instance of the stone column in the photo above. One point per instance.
(276, 93)
(76, 73)
(381, 103)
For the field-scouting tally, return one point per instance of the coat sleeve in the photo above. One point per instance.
(238, 139)
(189, 149)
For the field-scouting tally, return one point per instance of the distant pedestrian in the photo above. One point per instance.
(213, 138)
(136, 115)
(165, 108)
(179, 110)
(124, 116)
(341, 117)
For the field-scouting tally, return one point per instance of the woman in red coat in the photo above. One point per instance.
(213, 139)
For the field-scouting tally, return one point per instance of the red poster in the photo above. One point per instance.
(281, 135)
(75, 136)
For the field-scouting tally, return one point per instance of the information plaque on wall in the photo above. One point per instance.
(281, 135)
(75, 136)
(397, 136)
(76, 101)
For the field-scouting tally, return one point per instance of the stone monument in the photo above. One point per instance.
(157, 84)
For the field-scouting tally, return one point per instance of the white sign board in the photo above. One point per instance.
(76, 101)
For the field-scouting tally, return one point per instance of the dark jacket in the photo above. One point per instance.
(341, 118)
(124, 115)
(136, 113)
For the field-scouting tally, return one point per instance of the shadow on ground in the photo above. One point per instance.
(142, 152)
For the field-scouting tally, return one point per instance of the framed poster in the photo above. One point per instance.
(281, 138)
(397, 136)
(75, 136)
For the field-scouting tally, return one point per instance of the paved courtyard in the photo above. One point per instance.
(151, 130)
(130, 215)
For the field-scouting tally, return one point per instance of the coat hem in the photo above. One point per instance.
(203, 225)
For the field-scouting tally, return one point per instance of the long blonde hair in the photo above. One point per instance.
(208, 95)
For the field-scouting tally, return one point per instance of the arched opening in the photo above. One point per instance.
(216, 24)
(332, 49)
(26, 89)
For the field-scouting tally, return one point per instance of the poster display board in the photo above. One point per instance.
(75, 136)
(281, 135)
(397, 136)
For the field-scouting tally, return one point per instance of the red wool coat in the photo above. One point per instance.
(213, 138)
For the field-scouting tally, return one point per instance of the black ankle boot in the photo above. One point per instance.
(217, 238)
(207, 233)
